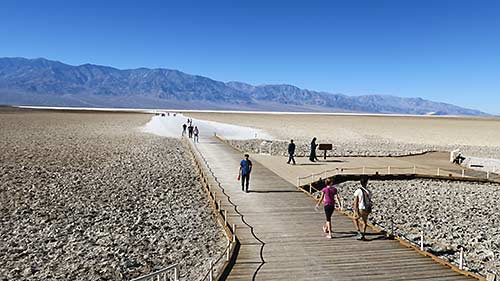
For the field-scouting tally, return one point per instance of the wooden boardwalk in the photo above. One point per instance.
(428, 164)
(281, 237)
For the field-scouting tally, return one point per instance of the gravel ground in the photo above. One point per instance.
(363, 147)
(87, 196)
(451, 212)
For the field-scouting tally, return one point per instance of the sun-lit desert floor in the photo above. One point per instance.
(88, 196)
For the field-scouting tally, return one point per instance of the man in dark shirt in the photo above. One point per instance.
(190, 131)
(245, 170)
(184, 126)
(291, 152)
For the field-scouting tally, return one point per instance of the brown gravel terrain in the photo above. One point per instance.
(88, 196)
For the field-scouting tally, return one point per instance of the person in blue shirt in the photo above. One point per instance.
(245, 170)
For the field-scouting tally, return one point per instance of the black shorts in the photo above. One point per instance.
(329, 211)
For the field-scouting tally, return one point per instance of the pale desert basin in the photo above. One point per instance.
(375, 134)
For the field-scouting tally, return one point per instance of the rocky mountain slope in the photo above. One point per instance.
(45, 82)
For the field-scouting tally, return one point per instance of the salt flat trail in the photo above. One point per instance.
(287, 242)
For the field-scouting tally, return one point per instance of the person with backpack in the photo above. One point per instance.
(329, 194)
(362, 207)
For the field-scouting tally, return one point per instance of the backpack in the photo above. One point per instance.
(367, 200)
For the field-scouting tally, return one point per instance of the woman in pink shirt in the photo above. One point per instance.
(329, 194)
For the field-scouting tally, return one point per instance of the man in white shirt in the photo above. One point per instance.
(362, 207)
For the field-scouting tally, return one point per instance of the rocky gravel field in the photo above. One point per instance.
(367, 147)
(88, 196)
(452, 213)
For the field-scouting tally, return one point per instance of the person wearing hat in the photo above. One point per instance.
(245, 170)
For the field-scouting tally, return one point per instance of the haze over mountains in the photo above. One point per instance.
(52, 83)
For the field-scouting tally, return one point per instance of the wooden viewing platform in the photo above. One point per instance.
(281, 238)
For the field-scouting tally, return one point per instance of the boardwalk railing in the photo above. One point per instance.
(170, 273)
(395, 170)
(412, 237)
(218, 266)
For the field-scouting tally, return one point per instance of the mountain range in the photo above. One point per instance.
(51, 83)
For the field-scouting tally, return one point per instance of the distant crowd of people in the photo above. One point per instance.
(192, 131)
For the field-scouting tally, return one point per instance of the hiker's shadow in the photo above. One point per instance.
(375, 236)
(333, 161)
(343, 234)
(368, 236)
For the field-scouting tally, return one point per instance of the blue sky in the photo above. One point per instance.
(435, 49)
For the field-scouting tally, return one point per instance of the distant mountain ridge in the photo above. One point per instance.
(52, 83)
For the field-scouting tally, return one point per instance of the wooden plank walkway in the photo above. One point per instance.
(281, 237)
(427, 163)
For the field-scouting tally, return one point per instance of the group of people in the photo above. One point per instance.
(362, 206)
(192, 131)
(291, 152)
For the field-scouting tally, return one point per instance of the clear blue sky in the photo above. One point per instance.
(440, 50)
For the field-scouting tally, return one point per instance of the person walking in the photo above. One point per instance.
(291, 152)
(245, 170)
(329, 194)
(196, 132)
(184, 126)
(362, 207)
(190, 131)
(312, 155)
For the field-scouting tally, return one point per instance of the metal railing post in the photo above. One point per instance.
(463, 173)
(421, 240)
(225, 217)
(176, 273)
(461, 264)
(392, 227)
(388, 170)
(228, 250)
(363, 170)
(220, 205)
(211, 272)
(312, 178)
(438, 172)
(414, 169)
(487, 174)
(234, 232)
